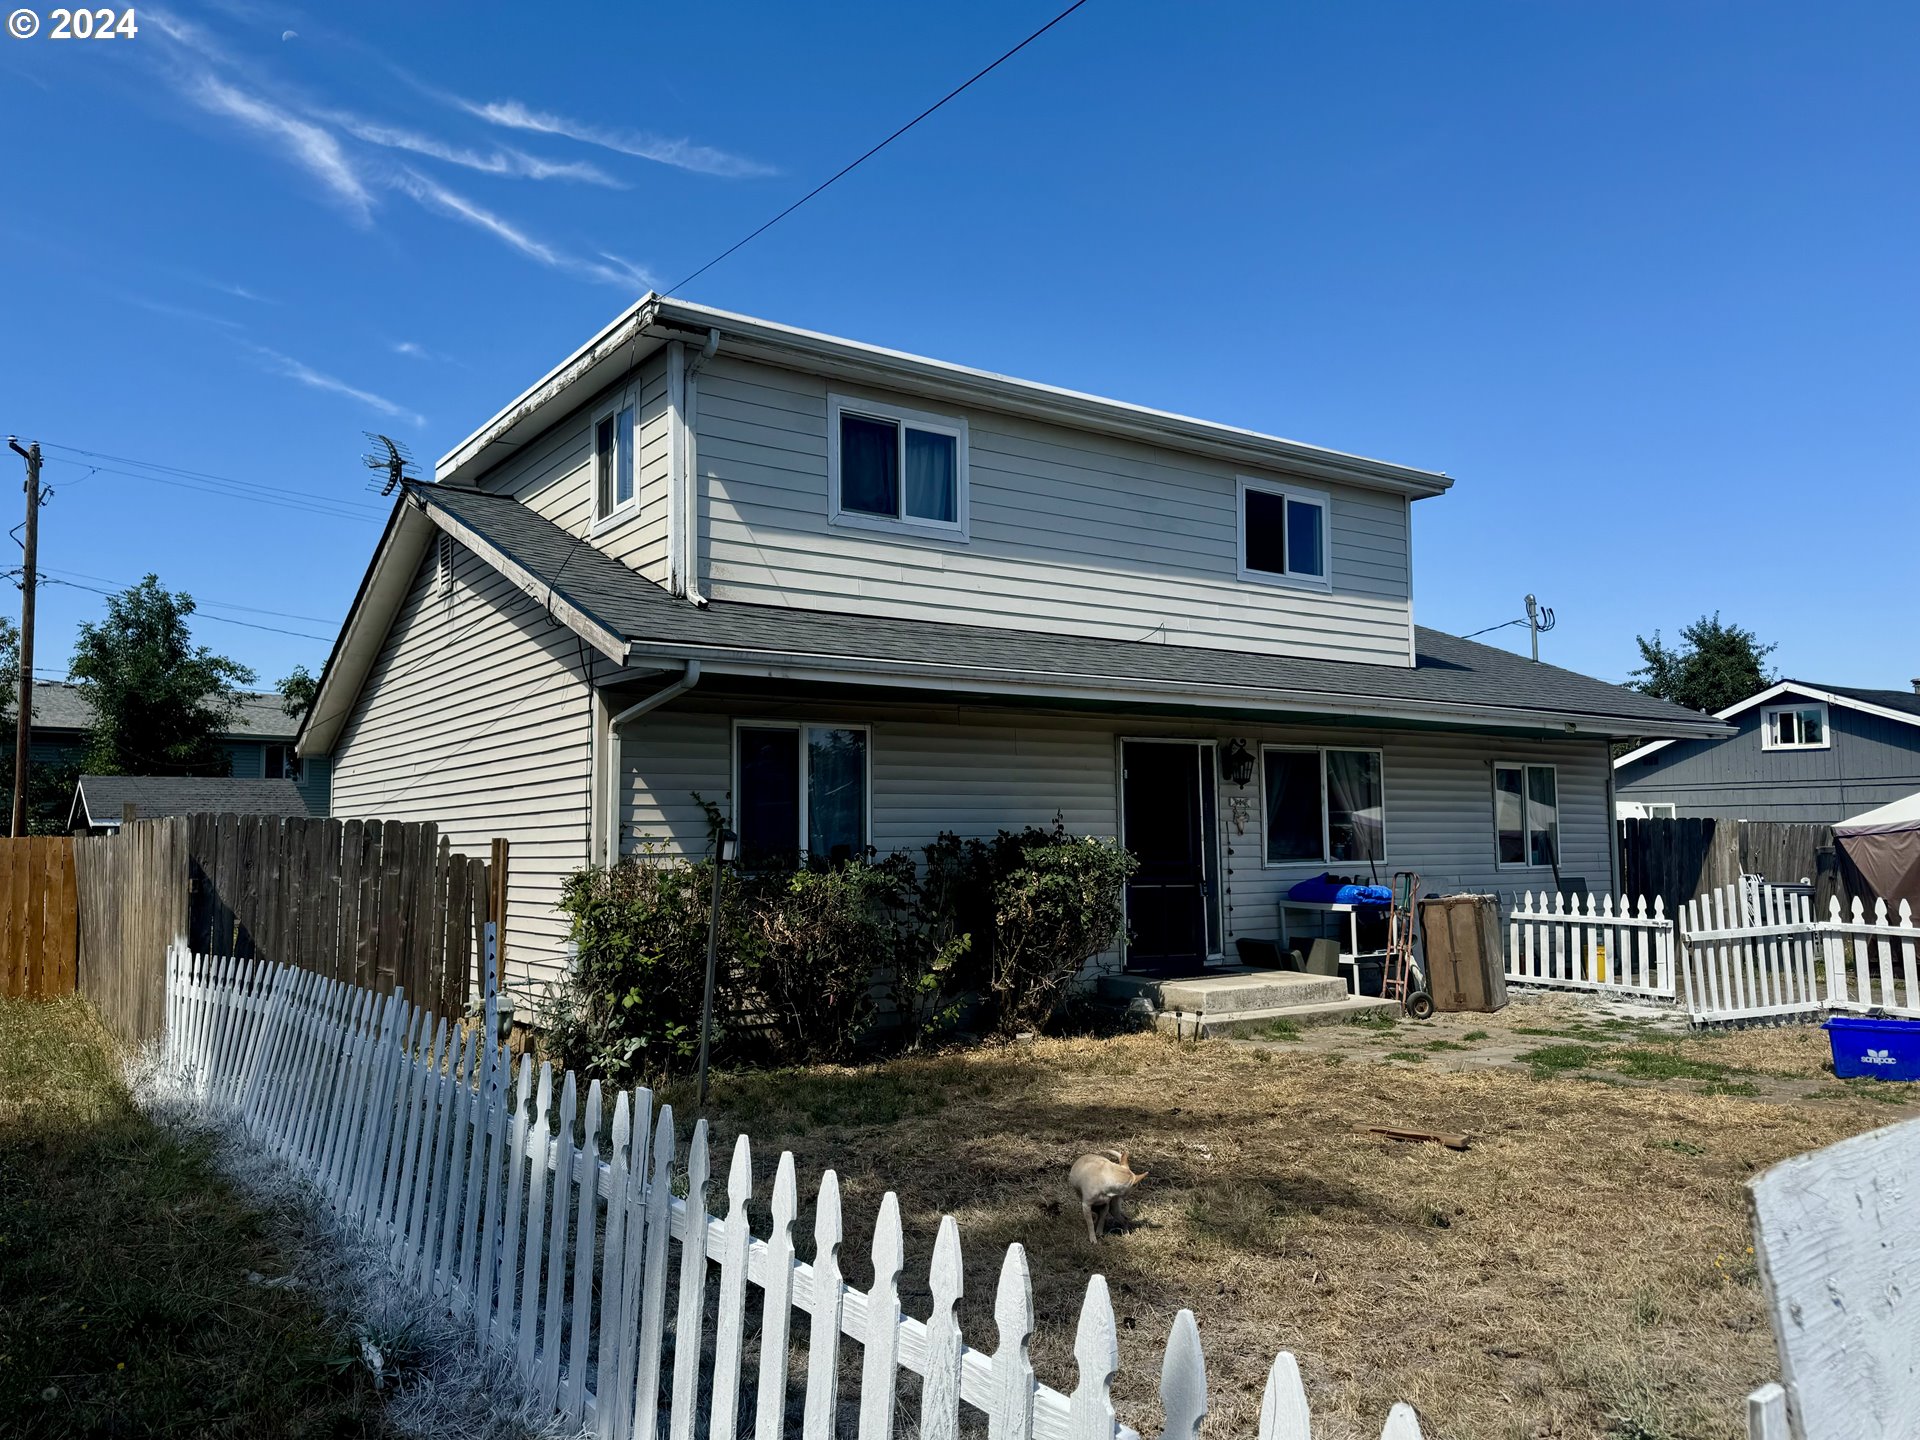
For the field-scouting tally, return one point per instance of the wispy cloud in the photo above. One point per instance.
(182, 312)
(314, 149)
(608, 269)
(506, 161)
(306, 375)
(664, 150)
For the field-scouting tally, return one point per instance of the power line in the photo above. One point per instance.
(198, 599)
(252, 491)
(183, 471)
(217, 619)
(1491, 628)
(854, 164)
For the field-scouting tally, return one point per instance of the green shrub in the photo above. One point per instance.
(630, 1011)
(1036, 904)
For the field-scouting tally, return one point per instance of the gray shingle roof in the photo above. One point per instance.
(104, 798)
(59, 705)
(1452, 675)
(1906, 701)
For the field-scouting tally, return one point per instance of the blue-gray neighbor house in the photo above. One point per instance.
(1806, 752)
(258, 741)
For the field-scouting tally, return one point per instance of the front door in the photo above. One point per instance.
(1164, 824)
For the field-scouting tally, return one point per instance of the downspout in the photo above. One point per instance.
(616, 760)
(690, 459)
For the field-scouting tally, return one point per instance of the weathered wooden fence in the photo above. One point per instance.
(1589, 942)
(131, 905)
(383, 905)
(1686, 859)
(555, 1239)
(1754, 951)
(38, 949)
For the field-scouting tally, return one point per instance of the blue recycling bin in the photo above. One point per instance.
(1876, 1049)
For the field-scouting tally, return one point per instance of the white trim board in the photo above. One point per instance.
(1774, 692)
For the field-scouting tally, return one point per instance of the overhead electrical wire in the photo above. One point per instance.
(854, 164)
(254, 491)
(219, 619)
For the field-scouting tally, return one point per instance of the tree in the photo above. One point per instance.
(297, 692)
(1715, 666)
(159, 701)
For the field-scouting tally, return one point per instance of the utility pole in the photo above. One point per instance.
(29, 580)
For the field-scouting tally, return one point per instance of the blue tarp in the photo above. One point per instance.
(1325, 890)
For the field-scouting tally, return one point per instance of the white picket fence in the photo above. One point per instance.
(1755, 951)
(1589, 942)
(555, 1240)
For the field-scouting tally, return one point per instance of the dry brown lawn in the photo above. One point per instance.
(1584, 1269)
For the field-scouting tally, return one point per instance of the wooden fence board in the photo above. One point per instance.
(36, 900)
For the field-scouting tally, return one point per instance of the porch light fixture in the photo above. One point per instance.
(726, 847)
(1236, 763)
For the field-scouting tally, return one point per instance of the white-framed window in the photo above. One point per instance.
(890, 468)
(612, 437)
(1322, 804)
(1659, 811)
(1526, 815)
(800, 791)
(1795, 727)
(1284, 535)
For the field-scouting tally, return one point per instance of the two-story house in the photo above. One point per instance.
(858, 597)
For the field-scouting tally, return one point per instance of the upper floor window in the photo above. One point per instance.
(1794, 727)
(281, 763)
(1526, 815)
(895, 469)
(1283, 534)
(613, 460)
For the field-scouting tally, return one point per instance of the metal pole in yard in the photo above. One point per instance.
(29, 578)
(723, 851)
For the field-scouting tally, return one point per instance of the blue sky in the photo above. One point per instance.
(1641, 276)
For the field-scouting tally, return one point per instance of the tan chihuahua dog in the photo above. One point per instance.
(1102, 1180)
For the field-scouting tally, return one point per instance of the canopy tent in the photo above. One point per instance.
(1882, 849)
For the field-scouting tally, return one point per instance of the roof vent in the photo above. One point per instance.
(1915, 682)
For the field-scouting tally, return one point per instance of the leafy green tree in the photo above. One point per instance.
(159, 701)
(49, 785)
(1714, 666)
(297, 692)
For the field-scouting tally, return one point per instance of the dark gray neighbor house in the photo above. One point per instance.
(259, 741)
(100, 801)
(1806, 752)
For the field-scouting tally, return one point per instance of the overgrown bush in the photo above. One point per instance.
(1037, 904)
(630, 1011)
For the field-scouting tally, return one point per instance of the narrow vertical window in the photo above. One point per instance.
(1356, 806)
(1509, 784)
(1526, 815)
(769, 799)
(836, 793)
(613, 460)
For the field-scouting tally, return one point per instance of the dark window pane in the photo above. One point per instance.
(1266, 537)
(1543, 816)
(869, 466)
(1305, 544)
(769, 805)
(933, 466)
(1356, 809)
(603, 466)
(623, 457)
(1506, 815)
(836, 793)
(1292, 779)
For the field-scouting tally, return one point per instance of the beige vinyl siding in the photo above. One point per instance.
(976, 771)
(1070, 532)
(553, 476)
(475, 716)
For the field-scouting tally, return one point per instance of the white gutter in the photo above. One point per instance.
(689, 458)
(616, 760)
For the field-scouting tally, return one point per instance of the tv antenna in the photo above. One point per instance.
(1539, 620)
(391, 456)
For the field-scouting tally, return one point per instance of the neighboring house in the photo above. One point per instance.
(856, 598)
(1799, 752)
(100, 801)
(259, 741)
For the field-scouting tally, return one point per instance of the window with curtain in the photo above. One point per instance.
(897, 466)
(802, 792)
(1526, 815)
(612, 461)
(1283, 533)
(1356, 806)
(1323, 805)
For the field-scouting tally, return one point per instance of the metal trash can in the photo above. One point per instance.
(1466, 968)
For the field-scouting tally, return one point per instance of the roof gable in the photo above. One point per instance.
(1896, 705)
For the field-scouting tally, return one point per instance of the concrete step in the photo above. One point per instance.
(1227, 991)
(1192, 1026)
